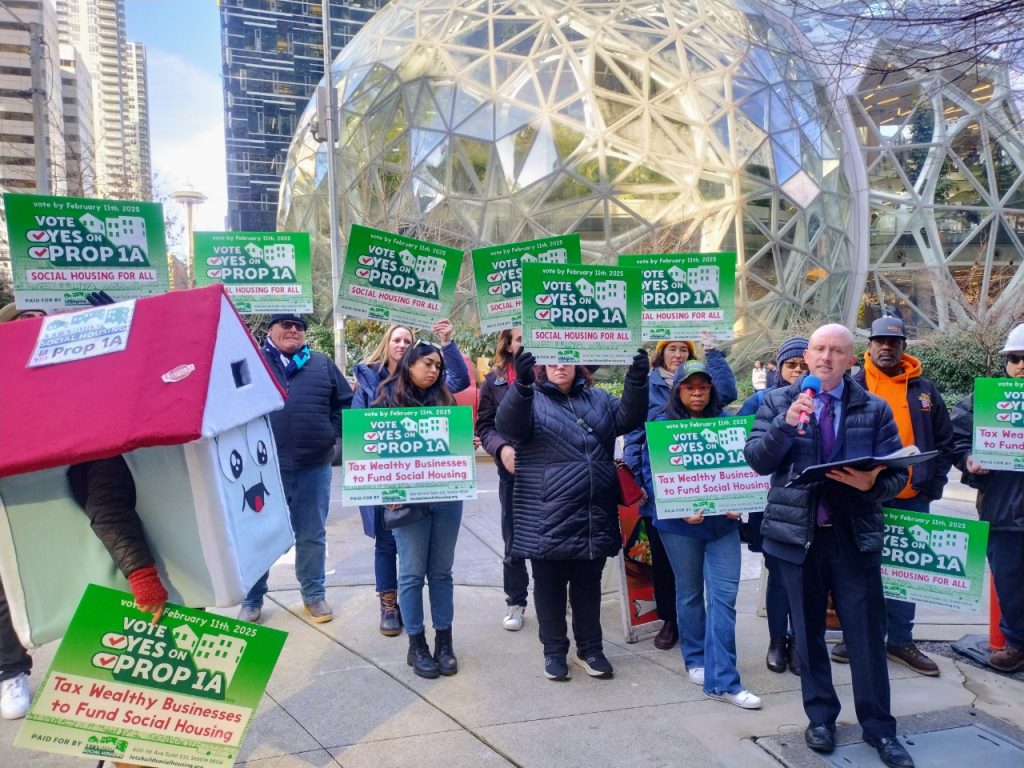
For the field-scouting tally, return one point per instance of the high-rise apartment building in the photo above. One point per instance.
(272, 53)
(18, 150)
(96, 28)
(79, 151)
(137, 147)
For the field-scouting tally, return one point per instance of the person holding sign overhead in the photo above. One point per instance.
(828, 534)
(383, 362)
(426, 546)
(1001, 505)
(705, 556)
(564, 503)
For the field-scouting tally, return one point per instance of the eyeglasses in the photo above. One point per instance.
(426, 343)
(291, 325)
(795, 364)
(1015, 359)
(696, 388)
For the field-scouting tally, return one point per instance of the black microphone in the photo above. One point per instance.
(812, 386)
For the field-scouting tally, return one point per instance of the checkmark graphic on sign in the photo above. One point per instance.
(1004, 416)
(114, 640)
(493, 277)
(214, 261)
(371, 436)
(367, 260)
(543, 314)
(362, 273)
(104, 660)
(494, 290)
(676, 460)
(39, 236)
(676, 448)
(1005, 405)
(213, 273)
(543, 299)
(370, 448)
(39, 253)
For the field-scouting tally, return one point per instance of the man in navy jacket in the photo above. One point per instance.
(305, 432)
(828, 534)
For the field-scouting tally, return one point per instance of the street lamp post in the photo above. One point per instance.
(190, 197)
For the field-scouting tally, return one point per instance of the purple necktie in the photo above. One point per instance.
(827, 431)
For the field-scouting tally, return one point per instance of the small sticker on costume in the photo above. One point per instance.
(926, 401)
(177, 374)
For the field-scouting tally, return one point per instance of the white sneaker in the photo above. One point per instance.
(14, 698)
(513, 620)
(696, 676)
(743, 699)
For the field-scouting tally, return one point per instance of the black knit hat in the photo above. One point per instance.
(294, 318)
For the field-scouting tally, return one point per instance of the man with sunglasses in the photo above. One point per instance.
(305, 432)
(923, 420)
(1001, 504)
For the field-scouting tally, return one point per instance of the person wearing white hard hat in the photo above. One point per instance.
(1001, 505)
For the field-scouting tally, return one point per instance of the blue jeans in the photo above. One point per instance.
(900, 613)
(308, 493)
(426, 551)
(707, 638)
(385, 554)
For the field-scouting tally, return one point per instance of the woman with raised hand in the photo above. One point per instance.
(383, 362)
(565, 500)
(426, 548)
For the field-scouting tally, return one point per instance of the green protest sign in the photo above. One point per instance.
(263, 272)
(397, 279)
(998, 441)
(934, 559)
(499, 276)
(399, 455)
(584, 314)
(181, 692)
(64, 248)
(684, 293)
(697, 465)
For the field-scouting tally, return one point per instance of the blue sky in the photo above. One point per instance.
(186, 110)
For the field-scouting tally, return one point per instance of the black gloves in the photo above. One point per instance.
(99, 298)
(524, 362)
(640, 367)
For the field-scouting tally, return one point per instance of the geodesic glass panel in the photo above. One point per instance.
(690, 125)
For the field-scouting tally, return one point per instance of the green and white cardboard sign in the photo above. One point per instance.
(582, 314)
(80, 335)
(685, 293)
(263, 272)
(64, 248)
(934, 559)
(498, 273)
(398, 279)
(697, 465)
(408, 455)
(181, 692)
(998, 441)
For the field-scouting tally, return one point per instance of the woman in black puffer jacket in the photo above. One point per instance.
(565, 502)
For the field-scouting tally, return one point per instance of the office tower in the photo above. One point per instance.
(79, 151)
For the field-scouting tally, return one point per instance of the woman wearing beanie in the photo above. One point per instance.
(668, 357)
(781, 647)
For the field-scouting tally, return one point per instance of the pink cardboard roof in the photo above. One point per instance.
(102, 406)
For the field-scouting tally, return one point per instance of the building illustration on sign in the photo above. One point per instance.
(120, 230)
(732, 438)
(430, 268)
(217, 653)
(607, 294)
(434, 428)
(553, 256)
(702, 278)
(951, 544)
(279, 255)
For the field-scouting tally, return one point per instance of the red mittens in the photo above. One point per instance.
(146, 586)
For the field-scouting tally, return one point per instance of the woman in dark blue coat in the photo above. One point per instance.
(564, 503)
(383, 362)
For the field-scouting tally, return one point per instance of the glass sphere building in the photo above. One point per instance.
(655, 127)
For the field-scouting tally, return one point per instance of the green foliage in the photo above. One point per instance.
(953, 359)
(320, 338)
(611, 387)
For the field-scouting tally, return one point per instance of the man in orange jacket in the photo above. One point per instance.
(921, 415)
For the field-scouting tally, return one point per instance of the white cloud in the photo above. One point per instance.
(186, 112)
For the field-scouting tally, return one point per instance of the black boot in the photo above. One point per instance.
(444, 654)
(419, 657)
(390, 622)
(776, 658)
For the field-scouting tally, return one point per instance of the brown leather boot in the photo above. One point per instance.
(390, 623)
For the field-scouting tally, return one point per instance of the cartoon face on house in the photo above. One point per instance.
(248, 464)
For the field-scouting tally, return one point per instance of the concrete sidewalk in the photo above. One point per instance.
(342, 693)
